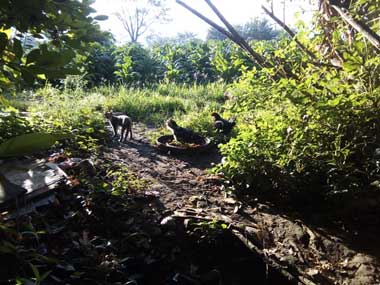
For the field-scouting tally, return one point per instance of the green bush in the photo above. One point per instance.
(99, 65)
(136, 66)
(53, 110)
(319, 131)
(12, 124)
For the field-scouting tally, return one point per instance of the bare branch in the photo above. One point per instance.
(208, 21)
(260, 60)
(289, 31)
(218, 28)
(362, 28)
(137, 17)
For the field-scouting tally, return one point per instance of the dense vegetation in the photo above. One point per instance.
(303, 123)
(317, 128)
(190, 62)
(307, 122)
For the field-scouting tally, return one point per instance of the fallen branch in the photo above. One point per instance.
(362, 28)
(218, 218)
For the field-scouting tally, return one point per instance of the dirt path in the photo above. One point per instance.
(183, 189)
(173, 178)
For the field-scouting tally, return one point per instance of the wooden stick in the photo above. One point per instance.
(362, 28)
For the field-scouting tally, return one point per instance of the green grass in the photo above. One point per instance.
(155, 105)
(82, 111)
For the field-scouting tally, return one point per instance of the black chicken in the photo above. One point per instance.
(183, 135)
(225, 126)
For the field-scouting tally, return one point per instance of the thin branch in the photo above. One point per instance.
(224, 32)
(214, 25)
(362, 28)
(208, 21)
(289, 31)
(293, 36)
(122, 17)
(236, 35)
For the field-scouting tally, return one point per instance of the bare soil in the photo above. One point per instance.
(184, 227)
(267, 241)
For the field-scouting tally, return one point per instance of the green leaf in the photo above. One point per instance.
(101, 17)
(66, 56)
(35, 271)
(29, 143)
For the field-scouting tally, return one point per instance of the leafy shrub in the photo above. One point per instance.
(186, 63)
(229, 61)
(66, 111)
(136, 66)
(99, 65)
(193, 62)
(317, 131)
(12, 124)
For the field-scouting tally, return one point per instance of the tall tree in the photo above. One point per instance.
(138, 16)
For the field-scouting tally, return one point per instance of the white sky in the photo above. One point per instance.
(236, 12)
